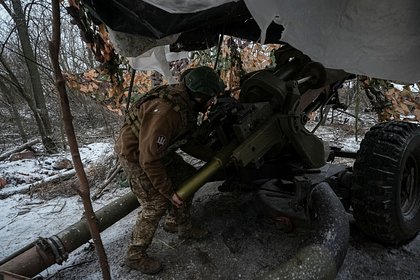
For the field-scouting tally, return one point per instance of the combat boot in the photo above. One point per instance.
(191, 232)
(170, 226)
(144, 264)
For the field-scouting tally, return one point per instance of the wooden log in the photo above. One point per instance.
(19, 148)
(29, 187)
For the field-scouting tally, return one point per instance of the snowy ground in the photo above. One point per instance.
(241, 244)
(24, 218)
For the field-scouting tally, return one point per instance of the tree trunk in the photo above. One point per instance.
(14, 113)
(49, 145)
(84, 189)
(23, 33)
(16, 118)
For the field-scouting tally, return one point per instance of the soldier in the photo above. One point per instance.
(155, 126)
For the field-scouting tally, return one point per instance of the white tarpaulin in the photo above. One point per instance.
(157, 56)
(157, 59)
(376, 38)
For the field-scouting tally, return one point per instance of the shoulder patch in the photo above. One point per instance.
(160, 142)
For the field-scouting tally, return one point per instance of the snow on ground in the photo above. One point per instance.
(23, 218)
(32, 170)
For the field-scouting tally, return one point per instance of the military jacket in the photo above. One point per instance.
(160, 122)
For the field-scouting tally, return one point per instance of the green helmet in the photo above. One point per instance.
(204, 80)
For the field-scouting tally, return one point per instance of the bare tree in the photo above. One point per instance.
(9, 79)
(37, 103)
(10, 102)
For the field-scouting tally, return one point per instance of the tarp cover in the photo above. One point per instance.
(376, 38)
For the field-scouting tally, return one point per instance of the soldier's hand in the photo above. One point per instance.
(176, 200)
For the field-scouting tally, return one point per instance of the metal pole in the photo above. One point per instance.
(55, 249)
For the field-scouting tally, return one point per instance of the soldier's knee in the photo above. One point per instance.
(153, 213)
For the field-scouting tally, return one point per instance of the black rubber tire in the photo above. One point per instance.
(386, 183)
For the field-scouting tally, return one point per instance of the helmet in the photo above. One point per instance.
(204, 80)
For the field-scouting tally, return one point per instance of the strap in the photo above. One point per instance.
(175, 101)
(132, 120)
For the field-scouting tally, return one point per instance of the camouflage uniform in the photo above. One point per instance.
(153, 125)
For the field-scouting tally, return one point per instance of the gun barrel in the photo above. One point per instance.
(38, 256)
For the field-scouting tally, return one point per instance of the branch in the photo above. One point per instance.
(31, 187)
(350, 114)
(14, 80)
(84, 189)
(27, 58)
(111, 177)
(7, 39)
(19, 148)
(8, 10)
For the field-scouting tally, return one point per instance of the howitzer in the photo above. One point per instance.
(248, 131)
(255, 136)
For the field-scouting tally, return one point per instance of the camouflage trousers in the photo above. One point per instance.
(153, 204)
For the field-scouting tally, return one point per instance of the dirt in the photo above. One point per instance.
(241, 244)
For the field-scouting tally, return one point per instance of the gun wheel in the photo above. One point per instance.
(386, 183)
